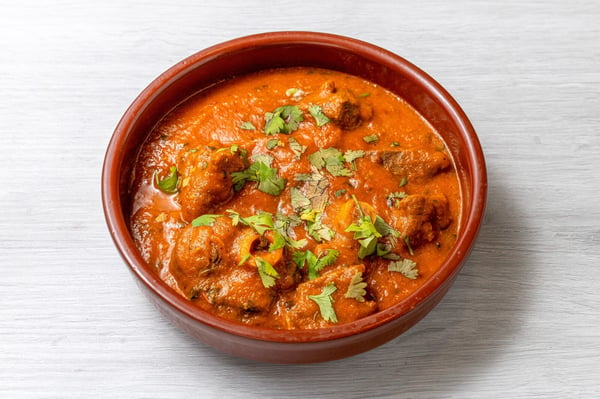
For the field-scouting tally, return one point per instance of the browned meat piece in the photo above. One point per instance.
(198, 253)
(241, 289)
(414, 163)
(421, 217)
(305, 313)
(206, 181)
(342, 107)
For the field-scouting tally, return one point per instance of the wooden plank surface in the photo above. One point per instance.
(523, 319)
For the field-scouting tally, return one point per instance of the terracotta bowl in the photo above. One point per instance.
(281, 49)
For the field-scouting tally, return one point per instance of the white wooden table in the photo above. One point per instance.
(523, 319)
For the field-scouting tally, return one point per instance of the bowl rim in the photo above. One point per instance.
(122, 239)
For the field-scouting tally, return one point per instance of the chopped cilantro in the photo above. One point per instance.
(407, 242)
(356, 288)
(315, 227)
(394, 198)
(169, 183)
(297, 148)
(260, 171)
(303, 177)
(298, 199)
(313, 262)
(331, 159)
(394, 144)
(325, 302)
(247, 126)
(352, 155)
(284, 119)
(263, 222)
(205, 220)
(365, 94)
(367, 232)
(266, 271)
(403, 182)
(244, 259)
(339, 193)
(317, 113)
(407, 267)
(273, 143)
(371, 138)
(260, 222)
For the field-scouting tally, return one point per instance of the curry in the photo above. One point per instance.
(294, 198)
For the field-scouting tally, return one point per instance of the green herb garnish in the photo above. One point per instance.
(205, 220)
(247, 126)
(367, 231)
(273, 143)
(297, 148)
(169, 183)
(284, 119)
(356, 289)
(407, 267)
(331, 159)
(325, 302)
(371, 138)
(317, 113)
(266, 271)
(339, 193)
(260, 171)
(313, 262)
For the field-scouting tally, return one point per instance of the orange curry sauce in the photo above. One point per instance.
(275, 193)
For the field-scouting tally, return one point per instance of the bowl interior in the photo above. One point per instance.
(208, 67)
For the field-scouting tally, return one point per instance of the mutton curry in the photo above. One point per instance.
(294, 198)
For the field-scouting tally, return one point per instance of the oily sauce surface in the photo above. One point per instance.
(294, 198)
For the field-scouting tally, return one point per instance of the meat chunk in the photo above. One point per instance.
(207, 181)
(241, 290)
(198, 253)
(421, 217)
(414, 164)
(342, 107)
(305, 312)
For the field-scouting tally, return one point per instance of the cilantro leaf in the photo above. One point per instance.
(317, 113)
(356, 288)
(298, 200)
(371, 138)
(331, 159)
(284, 119)
(340, 192)
(408, 246)
(313, 262)
(273, 143)
(367, 232)
(297, 148)
(260, 171)
(407, 267)
(351, 155)
(260, 222)
(205, 220)
(169, 183)
(266, 271)
(325, 302)
(247, 126)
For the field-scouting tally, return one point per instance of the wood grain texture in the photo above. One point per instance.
(523, 319)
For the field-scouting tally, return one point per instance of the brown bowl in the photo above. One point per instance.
(281, 49)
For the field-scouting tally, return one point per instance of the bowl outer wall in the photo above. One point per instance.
(281, 49)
